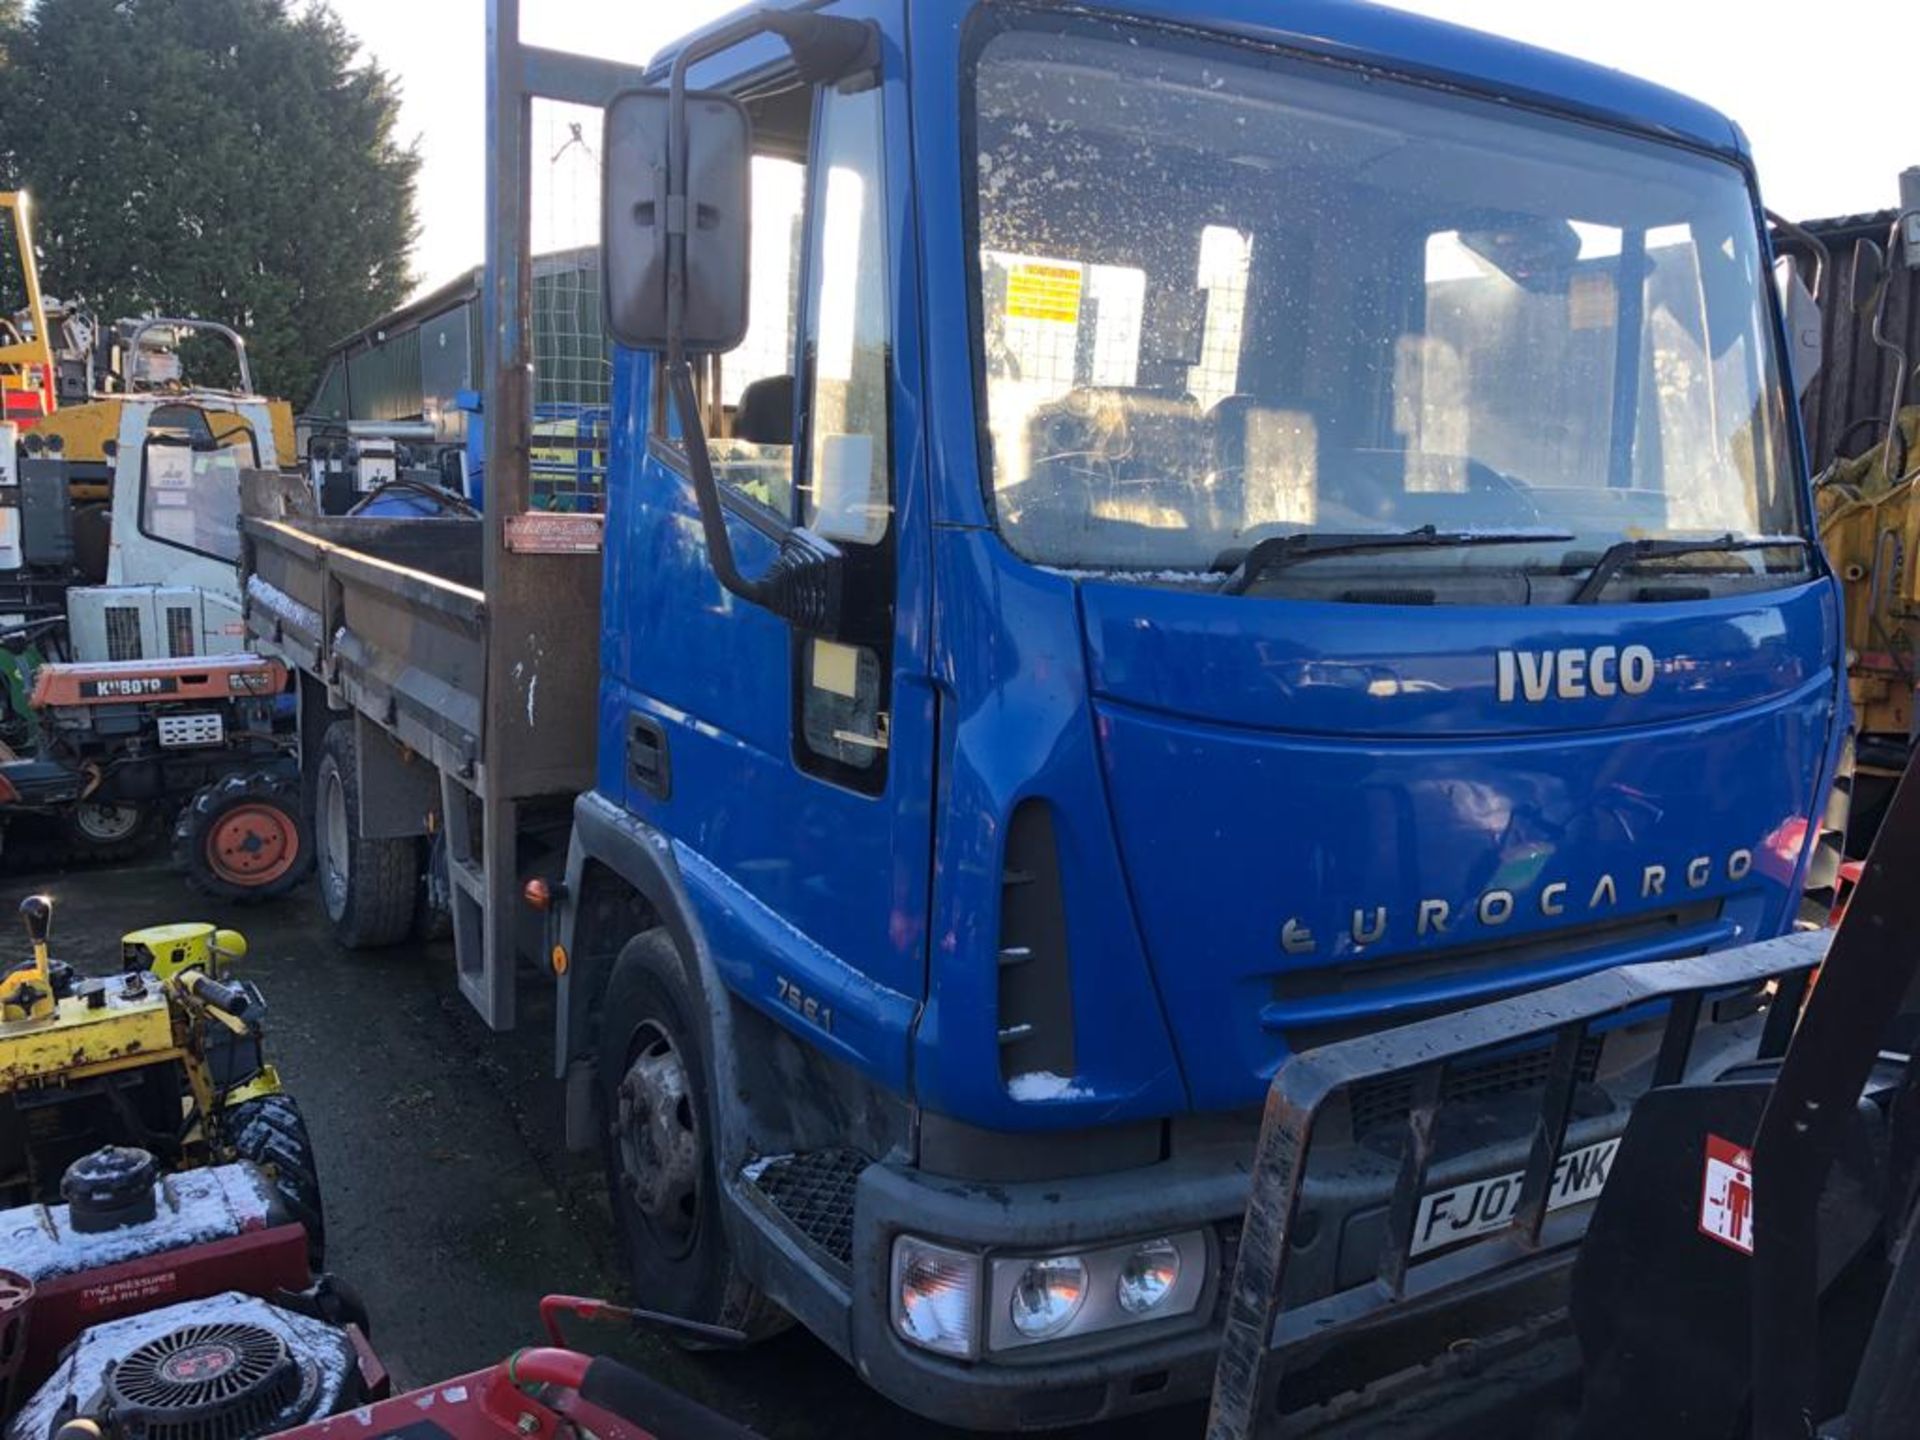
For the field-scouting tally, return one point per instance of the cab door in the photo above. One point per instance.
(792, 771)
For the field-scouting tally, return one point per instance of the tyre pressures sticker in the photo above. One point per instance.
(1726, 1195)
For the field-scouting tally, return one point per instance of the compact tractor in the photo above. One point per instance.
(126, 702)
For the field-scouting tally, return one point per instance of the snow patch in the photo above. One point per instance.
(1040, 1085)
(754, 1169)
(193, 1208)
(282, 606)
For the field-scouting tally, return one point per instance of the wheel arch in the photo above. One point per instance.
(621, 880)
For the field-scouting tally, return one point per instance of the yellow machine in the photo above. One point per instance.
(27, 390)
(1870, 525)
(165, 1054)
(145, 388)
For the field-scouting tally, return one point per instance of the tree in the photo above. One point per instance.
(227, 159)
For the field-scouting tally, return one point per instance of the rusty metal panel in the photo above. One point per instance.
(385, 614)
(1848, 403)
(543, 675)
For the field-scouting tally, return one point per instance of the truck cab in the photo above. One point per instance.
(1228, 427)
(1318, 534)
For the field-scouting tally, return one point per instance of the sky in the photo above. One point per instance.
(1824, 145)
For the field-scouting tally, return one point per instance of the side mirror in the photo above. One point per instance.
(1800, 311)
(1867, 278)
(636, 221)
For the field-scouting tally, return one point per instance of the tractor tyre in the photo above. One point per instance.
(244, 838)
(369, 887)
(102, 830)
(270, 1132)
(657, 1142)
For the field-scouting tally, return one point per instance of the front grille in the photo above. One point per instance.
(1389, 1100)
(179, 732)
(123, 633)
(180, 630)
(814, 1192)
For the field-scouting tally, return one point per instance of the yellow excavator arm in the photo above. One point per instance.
(26, 360)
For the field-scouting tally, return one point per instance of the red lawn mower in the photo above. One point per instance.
(183, 1308)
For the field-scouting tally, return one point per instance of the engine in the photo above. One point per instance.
(231, 1367)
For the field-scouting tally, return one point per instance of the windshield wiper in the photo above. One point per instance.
(1278, 552)
(1623, 553)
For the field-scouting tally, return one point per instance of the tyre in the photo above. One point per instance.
(369, 887)
(271, 1133)
(244, 838)
(661, 1180)
(433, 920)
(106, 830)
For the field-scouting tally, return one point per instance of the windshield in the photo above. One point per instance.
(190, 492)
(1227, 295)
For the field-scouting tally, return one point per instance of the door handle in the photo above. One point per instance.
(647, 765)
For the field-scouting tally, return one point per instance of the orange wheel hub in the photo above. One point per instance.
(253, 844)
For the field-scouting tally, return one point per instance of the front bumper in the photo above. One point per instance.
(1336, 1239)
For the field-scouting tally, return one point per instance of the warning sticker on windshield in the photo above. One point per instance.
(1590, 302)
(1044, 292)
(1726, 1195)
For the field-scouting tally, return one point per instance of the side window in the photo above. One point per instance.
(750, 428)
(841, 686)
(847, 495)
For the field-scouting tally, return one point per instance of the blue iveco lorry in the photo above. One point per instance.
(1141, 539)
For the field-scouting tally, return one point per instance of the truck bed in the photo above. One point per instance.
(387, 614)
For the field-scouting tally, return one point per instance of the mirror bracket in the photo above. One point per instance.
(802, 584)
(827, 49)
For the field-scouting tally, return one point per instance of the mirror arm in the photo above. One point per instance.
(802, 584)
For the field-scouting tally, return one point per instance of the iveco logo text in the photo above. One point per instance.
(1371, 924)
(1574, 674)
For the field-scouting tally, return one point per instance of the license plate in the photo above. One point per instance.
(1479, 1207)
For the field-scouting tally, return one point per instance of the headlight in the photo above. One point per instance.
(1044, 1299)
(1149, 1276)
(935, 1294)
(1048, 1295)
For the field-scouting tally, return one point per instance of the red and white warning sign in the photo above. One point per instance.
(1726, 1195)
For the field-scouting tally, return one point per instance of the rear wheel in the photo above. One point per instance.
(659, 1155)
(244, 838)
(272, 1134)
(369, 887)
(106, 829)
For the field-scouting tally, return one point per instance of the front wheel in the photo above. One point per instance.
(244, 838)
(659, 1153)
(272, 1134)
